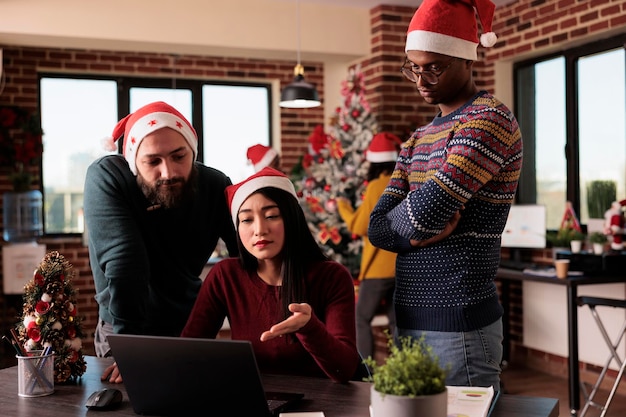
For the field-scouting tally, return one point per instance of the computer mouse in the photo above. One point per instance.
(105, 399)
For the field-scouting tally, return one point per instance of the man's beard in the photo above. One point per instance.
(161, 194)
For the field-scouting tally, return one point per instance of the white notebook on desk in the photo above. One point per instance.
(471, 401)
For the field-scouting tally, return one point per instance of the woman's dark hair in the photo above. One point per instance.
(377, 168)
(299, 250)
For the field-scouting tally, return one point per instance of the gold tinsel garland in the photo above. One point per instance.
(50, 317)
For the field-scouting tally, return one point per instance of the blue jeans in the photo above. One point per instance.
(474, 357)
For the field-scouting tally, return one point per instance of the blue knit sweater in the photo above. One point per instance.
(472, 158)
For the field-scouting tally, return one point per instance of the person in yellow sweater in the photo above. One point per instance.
(378, 266)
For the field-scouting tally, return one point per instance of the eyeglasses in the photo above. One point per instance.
(431, 76)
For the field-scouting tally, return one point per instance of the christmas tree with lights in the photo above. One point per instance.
(50, 317)
(335, 166)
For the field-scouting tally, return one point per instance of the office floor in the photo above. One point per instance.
(518, 380)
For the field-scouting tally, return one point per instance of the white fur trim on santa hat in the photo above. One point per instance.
(152, 122)
(250, 186)
(267, 159)
(387, 156)
(419, 40)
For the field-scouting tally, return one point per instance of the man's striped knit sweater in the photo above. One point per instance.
(469, 160)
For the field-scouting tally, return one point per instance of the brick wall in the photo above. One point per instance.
(22, 64)
(524, 27)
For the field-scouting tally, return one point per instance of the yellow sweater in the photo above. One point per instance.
(375, 262)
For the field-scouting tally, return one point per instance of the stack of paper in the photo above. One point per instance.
(470, 401)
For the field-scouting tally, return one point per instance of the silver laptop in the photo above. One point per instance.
(178, 376)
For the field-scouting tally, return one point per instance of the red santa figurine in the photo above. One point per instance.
(614, 222)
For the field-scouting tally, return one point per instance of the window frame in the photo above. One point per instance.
(527, 191)
(124, 86)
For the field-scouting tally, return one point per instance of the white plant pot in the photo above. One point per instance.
(598, 248)
(576, 246)
(387, 405)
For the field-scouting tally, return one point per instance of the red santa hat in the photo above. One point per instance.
(145, 120)
(449, 27)
(260, 156)
(267, 177)
(383, 148)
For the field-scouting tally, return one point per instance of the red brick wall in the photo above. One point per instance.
(523, 27)
(394, 100)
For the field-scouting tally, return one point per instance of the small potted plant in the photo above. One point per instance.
(410, 382)
(598, 240)
(577, 239)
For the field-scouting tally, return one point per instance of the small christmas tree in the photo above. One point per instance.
(335, 166)
(50, 317)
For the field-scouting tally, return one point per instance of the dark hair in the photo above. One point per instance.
(299, 251)
(377, 168)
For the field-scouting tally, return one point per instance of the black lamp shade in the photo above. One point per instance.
(299, 95)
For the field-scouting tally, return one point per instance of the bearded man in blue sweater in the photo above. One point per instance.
(154, 216)
(446, 205)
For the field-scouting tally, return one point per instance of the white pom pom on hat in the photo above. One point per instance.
(488, 39)
(449, 27)
(108, 144)
(145, 120)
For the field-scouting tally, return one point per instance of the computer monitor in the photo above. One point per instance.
(525, 229)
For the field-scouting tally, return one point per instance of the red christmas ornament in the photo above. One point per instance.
(345, 127)
(39, 279)
(356, 113)
(327, 187)
(42, 307)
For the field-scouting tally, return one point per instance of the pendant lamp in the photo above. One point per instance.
(299, 94)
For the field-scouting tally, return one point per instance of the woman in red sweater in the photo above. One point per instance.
(282, 293)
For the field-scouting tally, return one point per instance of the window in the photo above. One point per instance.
(77, 113)
(571, 108)
(75, 116)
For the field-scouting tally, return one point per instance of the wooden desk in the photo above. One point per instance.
(571, 283)
(335, 400)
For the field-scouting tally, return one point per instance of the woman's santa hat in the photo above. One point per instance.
(267, 177)
(260, 156)
(448, 27)
(148, 119)
(383, 148)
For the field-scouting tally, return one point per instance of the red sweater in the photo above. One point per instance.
(326, 345)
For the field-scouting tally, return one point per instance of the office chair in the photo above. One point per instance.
(592, 303)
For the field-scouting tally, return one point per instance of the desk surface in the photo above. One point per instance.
(335, 400)
(572, 280)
